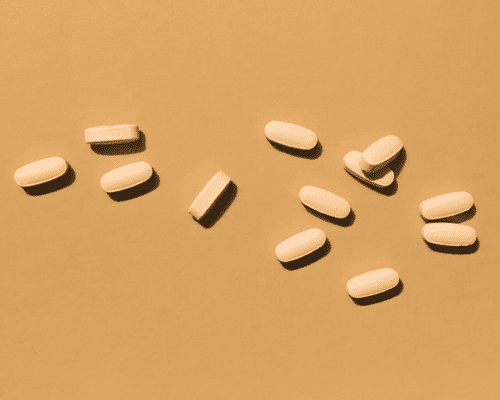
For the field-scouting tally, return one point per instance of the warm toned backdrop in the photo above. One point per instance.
(135, 300)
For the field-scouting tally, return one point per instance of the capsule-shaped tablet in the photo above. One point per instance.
(381, 179)
(379, 154)
(300, 245)
(112, 134)
(324, 202)
(209, 195)
(446, 205)
(125, 177)
(447, 234)
(372, 283)
(40, 171)
(291, 135)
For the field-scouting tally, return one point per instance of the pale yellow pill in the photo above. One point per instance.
(383, 178)
(112, 134)
(447, 234)
(125, 177)
(291, 135)
(372, 283)
(40, 171)
(300, 245)
(209, 195)
(324, 202)
(379, 154)
(446, 205)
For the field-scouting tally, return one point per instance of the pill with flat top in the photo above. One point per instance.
(380, 153)
(126, 177)
(112, 134)
(447, 234)
(209, 195)
(41, 171)
(372, 283)
(446, 205)
(291, 135)
(380, 179)
(300, 245)
(325, 202)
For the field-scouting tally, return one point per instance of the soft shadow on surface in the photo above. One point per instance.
(136, 191)
(390, 190)
(52, 186)
(398, 163)
(312, 154)
(456, 219)
(471, 249)
(345, 222)
(114, 149)
(308, 259)
(389, 294)
(220, 207)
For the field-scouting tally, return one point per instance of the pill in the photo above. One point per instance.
(209, 195)
(446, 205)
(40, 171)
(372, 283)
(379, 154)
(381, 179)
(112, 134)
(448, 234)
(324, 202)
(291, 135)
(125, 177)
(300, 245)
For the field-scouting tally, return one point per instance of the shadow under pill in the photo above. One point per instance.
(455, 219)
(344, 222)
(470, 249)
(62, 182)
(398, 163)
(220, 206)
(302, 262)
(115, 149)
(140, 190)
(311, 154)
(378, 298)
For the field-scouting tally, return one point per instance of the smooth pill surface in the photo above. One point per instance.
(380, 153)
(324, 202)
(209, 195)
(291, 135)
(112, 134)
(125, 177)
(383, 178)
(300, 245)
(448, 234)
(40, 171)
(372, 283)
(446, 205)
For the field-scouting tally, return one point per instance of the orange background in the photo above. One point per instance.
(135, 300)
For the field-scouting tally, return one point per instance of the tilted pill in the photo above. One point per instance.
(112, 134)
(446, 205)
(291, 135)
(324, 202)
(383, 178)
(372, 283)
(209, 195)
(447, 234)
(125, 177)
(300, 245)
(379, 154)
(40, 171)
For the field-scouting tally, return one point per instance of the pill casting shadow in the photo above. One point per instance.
(62, 182)
(115, 149)
(308, 259)
(456, 219)
(398, 163)
(220, 206)
(388, 191)
(471, 249)
(344, 222)
(312, 154)
(137, 191)
(378, 298)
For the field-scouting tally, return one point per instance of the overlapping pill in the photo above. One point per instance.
(41, 171)
(300, 245)
(325, 202)
(380, 153)
(447, 234)
(126, 177)
(372, 283)
(209, 195)
(446, 205)
(112, 134)
(380, 179)
(291, 135)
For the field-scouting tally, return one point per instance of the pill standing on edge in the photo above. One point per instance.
(383, 178)
(41, 171)
(380, 153)
(291, 135)
(209, 195)
(372, 283)
(112, 134)
(324, 202)
(125, 177)
(446, 205)
(300, 245)
(448, 234)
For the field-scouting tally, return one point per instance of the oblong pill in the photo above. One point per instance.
(40, 171)
(291, 135)
(447, 234)
(372, 283)
(125, 177)
(446, 205)
(112, 134)
(324, 202)
(209, 195)
(380, 153)
(383, 178)
(300, 245)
